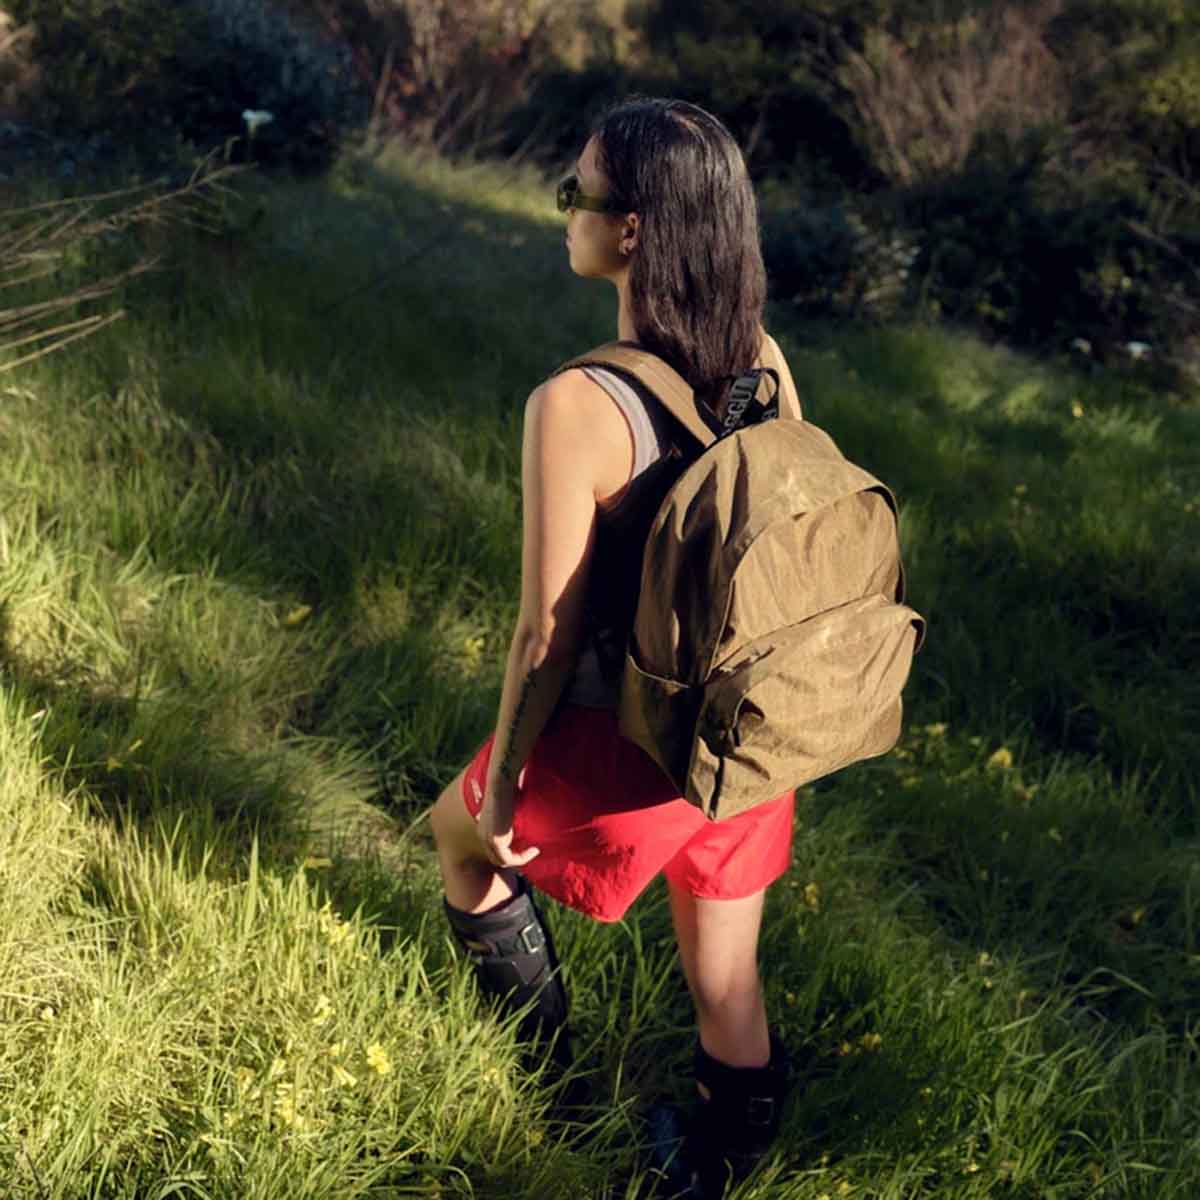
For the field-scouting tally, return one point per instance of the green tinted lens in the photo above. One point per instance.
(569, 196)
(567, 191)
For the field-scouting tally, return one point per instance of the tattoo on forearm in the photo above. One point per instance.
(506, 763)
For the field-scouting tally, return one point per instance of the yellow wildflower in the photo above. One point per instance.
(334, 928)
(812, 897)
(937, 729)
(323, 1010)
(473, 650)
(342, 1077)
(1001, 760)
(285, 1104)
(870, 1042)
(377, 1059)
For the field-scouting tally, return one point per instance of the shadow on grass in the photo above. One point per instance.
(363, 438)
(366, 437)
(374, 434)
(154, 768)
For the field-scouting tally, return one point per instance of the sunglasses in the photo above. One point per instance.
(569, 196)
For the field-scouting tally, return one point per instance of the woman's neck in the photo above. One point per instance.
(626, 330)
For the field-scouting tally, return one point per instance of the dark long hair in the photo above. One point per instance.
(697, 284)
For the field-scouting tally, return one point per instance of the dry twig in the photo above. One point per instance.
(40, 241)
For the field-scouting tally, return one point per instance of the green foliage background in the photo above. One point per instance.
(151, 75)
(258, 567)
(258, 551)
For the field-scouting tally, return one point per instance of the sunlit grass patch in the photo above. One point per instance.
(258, 568)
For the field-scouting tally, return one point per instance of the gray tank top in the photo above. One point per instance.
(594, 683)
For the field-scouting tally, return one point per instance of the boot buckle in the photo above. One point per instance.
(760, 1110)
(531, 939)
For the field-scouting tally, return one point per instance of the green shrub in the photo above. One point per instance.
(1136, 90)
(17, 73)
(151, 72)
(551, 126)
(252, 55)
(1043, 266)
(752, 65)
(450, 73)
(113, 60)
(827, 259)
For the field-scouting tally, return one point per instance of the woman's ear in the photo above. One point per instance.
(630, 229)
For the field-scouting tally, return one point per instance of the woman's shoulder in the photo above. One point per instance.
(576, 390)
(575, 424)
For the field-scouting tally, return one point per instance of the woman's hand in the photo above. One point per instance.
(493, 823)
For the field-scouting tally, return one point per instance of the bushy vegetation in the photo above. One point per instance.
(1027, 169)
(155, 74)
(1043, 156)
(258, 567)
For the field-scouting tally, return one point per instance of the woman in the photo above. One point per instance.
(661, 206)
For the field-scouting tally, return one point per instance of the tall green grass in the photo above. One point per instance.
(257, 574)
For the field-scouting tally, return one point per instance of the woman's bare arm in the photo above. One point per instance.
(576, 451)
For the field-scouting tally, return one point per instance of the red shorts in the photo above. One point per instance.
(607, 820)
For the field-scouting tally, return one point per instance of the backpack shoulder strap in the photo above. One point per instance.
(673, 390)
(789, 400)
(661, 379)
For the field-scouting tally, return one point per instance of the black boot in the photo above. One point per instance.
(729, 1132)
(514, 960)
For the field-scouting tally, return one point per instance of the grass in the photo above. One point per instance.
(257, 573)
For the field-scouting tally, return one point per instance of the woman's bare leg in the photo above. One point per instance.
(718, 946)
(471, 882)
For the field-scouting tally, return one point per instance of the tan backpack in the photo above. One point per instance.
(771, 644)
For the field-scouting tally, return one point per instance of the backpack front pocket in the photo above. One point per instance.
(802, 702)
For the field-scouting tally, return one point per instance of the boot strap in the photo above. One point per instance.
(750, 1096)
(530, 939)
